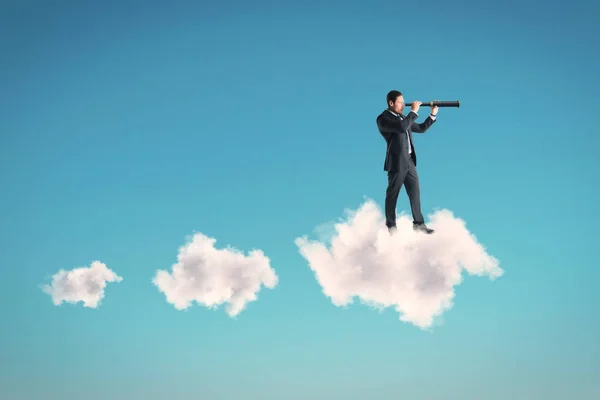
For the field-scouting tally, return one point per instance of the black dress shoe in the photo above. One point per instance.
(423, 228)
(392, 230)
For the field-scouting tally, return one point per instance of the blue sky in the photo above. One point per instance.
(127, 127)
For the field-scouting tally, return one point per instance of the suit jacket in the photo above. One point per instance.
(394, 130)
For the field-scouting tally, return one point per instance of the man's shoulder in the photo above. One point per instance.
(384, 114)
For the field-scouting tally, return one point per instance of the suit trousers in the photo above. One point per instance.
(410, 178)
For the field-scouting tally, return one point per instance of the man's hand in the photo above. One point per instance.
(434, 110)
(415, 106)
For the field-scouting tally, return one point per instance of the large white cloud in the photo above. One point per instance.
(413, 272)
(84, 284)
(212, 276)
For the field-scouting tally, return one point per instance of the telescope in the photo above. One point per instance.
(438, 103)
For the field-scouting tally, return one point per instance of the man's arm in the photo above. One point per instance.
(423, 126)
(387, 124)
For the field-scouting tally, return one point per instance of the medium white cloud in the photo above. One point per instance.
(413, 272)
(212, 276)
(85, 284)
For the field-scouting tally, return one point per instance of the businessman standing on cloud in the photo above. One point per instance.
(400, 158)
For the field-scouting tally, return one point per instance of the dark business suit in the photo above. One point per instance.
(399, 164)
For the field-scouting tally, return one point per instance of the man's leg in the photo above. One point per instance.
(414, 192)
(391, 197)
(414, 195)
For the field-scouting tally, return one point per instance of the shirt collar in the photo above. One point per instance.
(393, 113)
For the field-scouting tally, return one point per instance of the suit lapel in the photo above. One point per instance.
(409, 130)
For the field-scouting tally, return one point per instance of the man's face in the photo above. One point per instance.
(398, 105)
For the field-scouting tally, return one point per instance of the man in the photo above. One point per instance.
(400, 159)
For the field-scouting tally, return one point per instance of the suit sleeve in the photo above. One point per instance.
(388, 125)
(423, 126)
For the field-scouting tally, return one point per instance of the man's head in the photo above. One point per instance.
(395, 101)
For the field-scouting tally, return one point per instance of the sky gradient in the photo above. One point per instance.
(127, 127)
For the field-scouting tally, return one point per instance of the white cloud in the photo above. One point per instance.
(212, 276)
(413, 272)
(81, 284)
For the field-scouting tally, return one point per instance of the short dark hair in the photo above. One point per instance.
(392, 96)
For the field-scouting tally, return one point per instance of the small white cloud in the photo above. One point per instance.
(212, 277)
(81, 284)
(413, 272)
